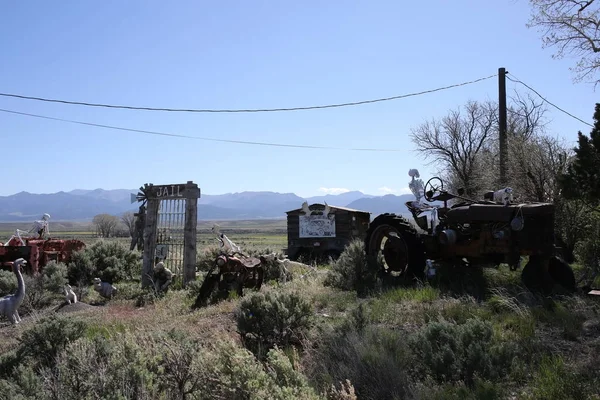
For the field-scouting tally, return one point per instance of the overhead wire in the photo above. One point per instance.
(256, 143)
(192, 110)
(197, 137)
(517, 80)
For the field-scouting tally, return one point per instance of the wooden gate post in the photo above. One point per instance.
(192, 194)
(149, 235)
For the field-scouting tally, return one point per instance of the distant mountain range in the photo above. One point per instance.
(82, 205)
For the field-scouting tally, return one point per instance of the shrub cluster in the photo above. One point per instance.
(353, 270)
(60, 358)
(269, 319)
(110, 261)
(452, 352)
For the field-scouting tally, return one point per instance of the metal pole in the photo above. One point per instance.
(502, 135)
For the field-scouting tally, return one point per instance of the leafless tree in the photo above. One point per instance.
(526, 116)
(105, 224)
(456, 141)
(536, 165)
(573, 27)
(128, 220)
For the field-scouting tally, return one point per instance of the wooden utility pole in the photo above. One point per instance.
(502, 135)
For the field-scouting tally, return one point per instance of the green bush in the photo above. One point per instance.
(205, 260)
(119, 367)
(8, 282)
(266, 320)
(234, 373)
(110, 261)
(193, 288)
(553, 381)
(36, 295)
(480, 390)
(588, 254)
(375, 359)
(450, 352)
(352, 270)
(25, 383)
(48, 337)
(55, 276)
(274, 271)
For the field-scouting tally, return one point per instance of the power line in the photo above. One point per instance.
(197, 137)
(546, 100)
(244, 110)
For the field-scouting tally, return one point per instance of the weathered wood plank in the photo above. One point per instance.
(149, 241)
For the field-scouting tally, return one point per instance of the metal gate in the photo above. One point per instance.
(170, 234)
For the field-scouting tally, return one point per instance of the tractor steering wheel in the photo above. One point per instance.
(428, 193)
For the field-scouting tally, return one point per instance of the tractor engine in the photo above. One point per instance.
(494, 233)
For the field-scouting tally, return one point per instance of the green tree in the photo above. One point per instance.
(582, 178)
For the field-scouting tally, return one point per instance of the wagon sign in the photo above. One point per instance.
(312, 226)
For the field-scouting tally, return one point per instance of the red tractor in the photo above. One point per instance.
(37, 252)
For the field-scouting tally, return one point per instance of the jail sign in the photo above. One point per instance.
(168, 192)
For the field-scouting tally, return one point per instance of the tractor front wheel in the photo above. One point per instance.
(394, 238)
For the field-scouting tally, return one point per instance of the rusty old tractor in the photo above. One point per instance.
(37, 252)
(232, 271)
(469, 233)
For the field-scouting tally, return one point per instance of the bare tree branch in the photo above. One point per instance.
(128, 220)
(105, 224)
(456, 141)
(573, 27)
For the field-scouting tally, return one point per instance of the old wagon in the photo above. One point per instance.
(323, 231)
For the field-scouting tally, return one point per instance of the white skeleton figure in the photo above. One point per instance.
(9, 305)
(504, 196)
(70, 295)
(105, 289)
(41, 227)
(415, 185)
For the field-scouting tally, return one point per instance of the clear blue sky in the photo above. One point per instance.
(254, 54)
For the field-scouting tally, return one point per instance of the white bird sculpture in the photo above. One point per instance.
(9, 305)
(70, 295)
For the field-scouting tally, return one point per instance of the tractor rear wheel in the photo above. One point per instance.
(562, 274)
(397, 240)
(537, 278)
